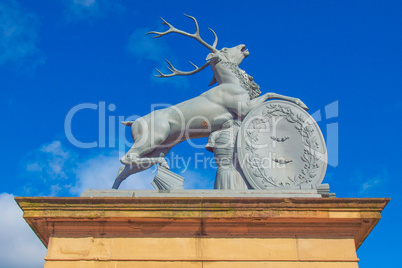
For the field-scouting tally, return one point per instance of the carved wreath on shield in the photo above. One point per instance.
(309, 141)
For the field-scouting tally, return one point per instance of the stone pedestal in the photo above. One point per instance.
(201, 232)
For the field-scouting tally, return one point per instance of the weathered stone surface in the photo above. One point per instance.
(201, 232)
(282, 192)
(279, 144)
(212, 217)
(182, 264)
(203, 249)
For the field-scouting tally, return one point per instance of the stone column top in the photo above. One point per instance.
(201, 216)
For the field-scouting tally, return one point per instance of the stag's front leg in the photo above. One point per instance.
(134, 159)
(296, 101)
(257, 101)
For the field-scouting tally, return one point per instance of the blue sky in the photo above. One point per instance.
(342, 58)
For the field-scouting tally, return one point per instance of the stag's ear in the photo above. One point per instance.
(213, 81)
(213, 57)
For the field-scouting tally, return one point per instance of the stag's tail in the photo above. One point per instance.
(127, 123)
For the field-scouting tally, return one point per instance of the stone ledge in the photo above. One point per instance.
(310, 192)
(201, 217)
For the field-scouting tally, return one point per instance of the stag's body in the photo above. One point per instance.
(156, 133)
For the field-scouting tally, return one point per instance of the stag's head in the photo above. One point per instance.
(235, 54)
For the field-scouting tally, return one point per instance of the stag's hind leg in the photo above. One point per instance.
(146, 140)
(123, 173)
(128, 170)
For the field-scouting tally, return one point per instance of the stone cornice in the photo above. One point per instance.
(201, 217)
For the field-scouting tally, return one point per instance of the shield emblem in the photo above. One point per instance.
(280, 145)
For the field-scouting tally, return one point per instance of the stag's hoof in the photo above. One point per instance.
(120, 171)
(125, 160)
(164, 164)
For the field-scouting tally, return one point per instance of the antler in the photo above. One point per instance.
(196, 36)
(177, 72)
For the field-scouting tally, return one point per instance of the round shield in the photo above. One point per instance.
(279, 144)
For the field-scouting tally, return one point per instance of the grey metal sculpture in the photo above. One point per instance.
(232, 99)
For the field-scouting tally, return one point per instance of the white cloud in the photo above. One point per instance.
(51, 168)
(57, 170)
(54, 165)
(144, 47)
(179, 82)
(199, 179)
(85, 3)
(374, 184)
(369, 184)
(91, 10)
(99, 173)
(60, 171)
(19, 36)
(57, 158)
(19, 246)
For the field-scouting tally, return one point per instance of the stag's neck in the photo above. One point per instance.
(225, 72)
(230, 73)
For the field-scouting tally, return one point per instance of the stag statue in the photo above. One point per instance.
(235, 95)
